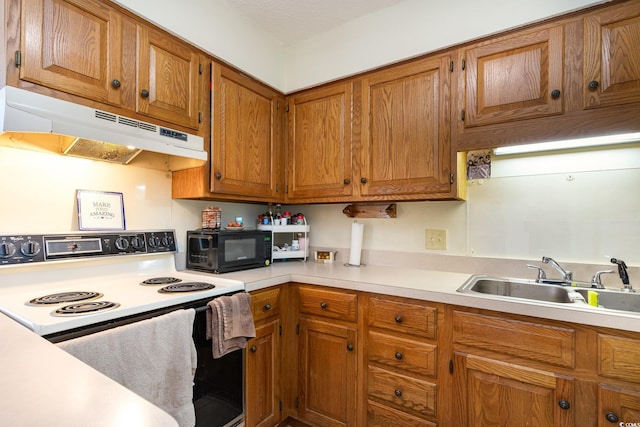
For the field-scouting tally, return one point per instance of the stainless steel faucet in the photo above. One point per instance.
(567, 276)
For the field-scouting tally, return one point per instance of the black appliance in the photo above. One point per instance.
(222, 251)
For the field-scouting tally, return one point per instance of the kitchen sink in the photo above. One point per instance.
(615, 300)
(516, 288)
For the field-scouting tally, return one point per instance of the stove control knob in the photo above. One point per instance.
(137, 243)
(7, 249)
(30, 248)
(167, 241)
(154, 241)
(122, 243)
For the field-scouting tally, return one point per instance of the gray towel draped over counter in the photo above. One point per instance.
(230, 323)
(155, 358)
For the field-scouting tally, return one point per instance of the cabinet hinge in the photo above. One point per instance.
(452, 178)
(462, 114)
(298, 329)
(200, 69)
(280, 405)
(277, 105)
(199, 116)
(286, 108)
(451, 366)
(280, 330)
(286, 189)
(451, 66)
(464, 64)
(277, 188)
(18, 59)
(297, 403)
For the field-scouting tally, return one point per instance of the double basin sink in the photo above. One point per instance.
(503, 288)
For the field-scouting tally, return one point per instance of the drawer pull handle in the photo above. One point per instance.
(116, 83)
(555, 94)
(398, 319)
(349, 347)
(398, 355)
(253, 349)
(398, 393)
(267, 307)
(144, 93)
(611, 417)
(593, 84)
(564, 404)
(323, 305)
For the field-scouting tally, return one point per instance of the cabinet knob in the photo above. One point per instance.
(115, 83)
(363, 180)
(144, 93)
(346, 181)
(267, 307)
(555, 94)
(398, 393)
(611, 417)
(593, 84)
(349, 347)
(564, 404)
(253, 349)
(399, 355)
(218, 175)
(323, 305)
(398, 319)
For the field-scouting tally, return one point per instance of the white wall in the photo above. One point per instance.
(408, 29)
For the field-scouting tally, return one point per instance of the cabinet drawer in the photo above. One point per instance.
(265, 304)
(400, 353)
(383, 416)
(401, 392)
(532, 341)
(403, 317)
(619, 357)
(326, 303)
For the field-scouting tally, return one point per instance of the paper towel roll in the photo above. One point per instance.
(357, 232)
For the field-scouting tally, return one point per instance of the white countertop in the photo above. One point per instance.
(437, 286)
(44, 385)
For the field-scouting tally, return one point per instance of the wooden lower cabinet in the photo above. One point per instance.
(262, 362)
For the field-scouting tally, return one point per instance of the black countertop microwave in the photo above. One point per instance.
(222, 251)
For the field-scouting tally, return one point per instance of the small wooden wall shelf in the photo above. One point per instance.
(381, 210)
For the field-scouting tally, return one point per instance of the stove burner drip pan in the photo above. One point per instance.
(161, 281)
(85, 308)
(186, 287)
(65, 297)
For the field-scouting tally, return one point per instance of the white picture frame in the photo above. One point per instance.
(100, 210)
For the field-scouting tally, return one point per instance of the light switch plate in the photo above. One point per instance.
(435, 239)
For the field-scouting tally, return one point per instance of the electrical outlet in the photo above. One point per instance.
(435, 239)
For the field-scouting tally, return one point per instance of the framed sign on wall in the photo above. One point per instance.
(100, 210)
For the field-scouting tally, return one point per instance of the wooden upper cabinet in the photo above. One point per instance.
(514, 77)
(168, 78)
(245, 148)
(406, 143)
(73, 46)
(612, 56)
(319, 146)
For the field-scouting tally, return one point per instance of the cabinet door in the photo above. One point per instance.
(328, 367)
(405, 130)
(263, 376)
(245, 148)
(617, 407)
(514, 78)
(72, 46)
(494, 393)
(612, 57)
(168, 79)
(319, 148)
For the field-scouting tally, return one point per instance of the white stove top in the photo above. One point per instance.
(118, 278)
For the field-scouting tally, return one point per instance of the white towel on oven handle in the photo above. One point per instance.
(155, 358)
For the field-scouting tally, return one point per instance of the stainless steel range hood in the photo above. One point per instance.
(34, 121)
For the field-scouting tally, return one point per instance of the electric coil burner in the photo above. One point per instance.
(161, 281)
(64, 297)
(85, 308)
(186, 287)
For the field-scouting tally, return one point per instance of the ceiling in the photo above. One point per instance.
(290, 21)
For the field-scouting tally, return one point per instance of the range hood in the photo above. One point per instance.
(34, 121)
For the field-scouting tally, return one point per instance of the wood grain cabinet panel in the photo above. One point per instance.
(619, 358)
(330, 304)
(611, 56)
(245, 148)
(403, 317)
(384, 416)
(618, 407)
(515, 77)
(401, 353)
